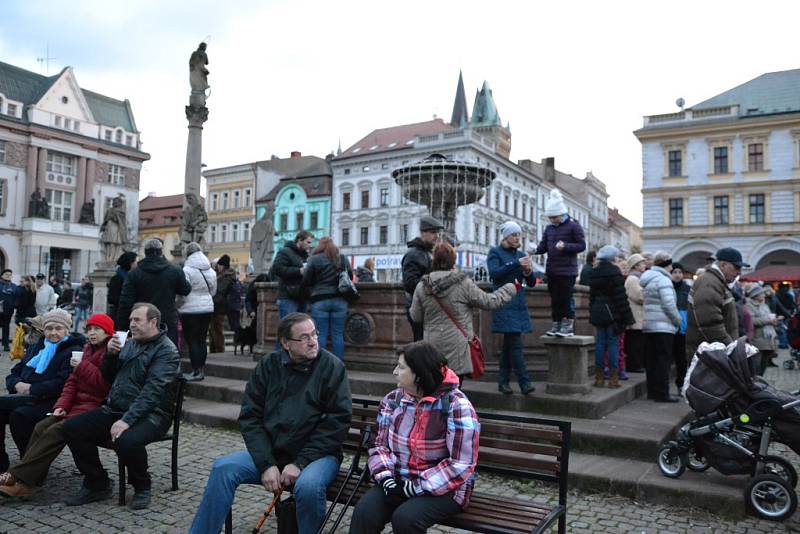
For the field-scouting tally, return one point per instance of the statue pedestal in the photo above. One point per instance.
(568, 360)
(100, 277)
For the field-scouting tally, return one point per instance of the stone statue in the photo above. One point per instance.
(198, 75)
(87, 213)
(38, 207)
(262, 243)
(114, 230)
(195, 221)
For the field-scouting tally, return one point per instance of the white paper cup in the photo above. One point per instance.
(77, 355)
(122, 337)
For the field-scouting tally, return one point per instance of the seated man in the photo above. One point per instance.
(295, 415)
(136, 411)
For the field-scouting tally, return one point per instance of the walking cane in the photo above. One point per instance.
(268, 511)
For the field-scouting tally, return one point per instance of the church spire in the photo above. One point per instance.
(460, 116)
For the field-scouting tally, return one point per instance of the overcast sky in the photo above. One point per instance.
(573, 78)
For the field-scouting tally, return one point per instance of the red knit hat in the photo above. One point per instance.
(102, 321)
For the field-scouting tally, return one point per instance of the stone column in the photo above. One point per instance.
(81, 188)
(31, 175)
(569, 361)
(196, 115)
(41, 174)
(88, 192)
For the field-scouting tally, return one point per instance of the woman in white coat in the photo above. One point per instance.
(195, 309)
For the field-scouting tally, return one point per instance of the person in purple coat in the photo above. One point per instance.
(562, 241)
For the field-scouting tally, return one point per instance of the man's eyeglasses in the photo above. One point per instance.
(305, 338)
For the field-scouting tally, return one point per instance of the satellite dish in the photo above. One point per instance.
(680, 102)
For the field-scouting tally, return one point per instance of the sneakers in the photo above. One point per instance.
(141, 500)
(554, 329)
(18, 489)
(566, 328)
(622, 375)
(86, 495)
(195, 376)
(505, 389)
(527, 389)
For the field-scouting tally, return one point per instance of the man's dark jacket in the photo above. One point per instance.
(143, 380)
(608, 301)
(295, 412)
(157, 281)
(416, 263)
(286, 267)
(114, 292)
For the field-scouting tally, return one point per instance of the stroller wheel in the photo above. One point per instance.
(789, 364)
(696, 462)
(671, 460)
(775, 465)
(770, 497)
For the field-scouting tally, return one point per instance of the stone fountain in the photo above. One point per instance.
(443, 185)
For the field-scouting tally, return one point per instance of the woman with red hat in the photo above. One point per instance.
(84, 390)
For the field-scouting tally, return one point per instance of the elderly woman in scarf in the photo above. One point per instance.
(37, 380)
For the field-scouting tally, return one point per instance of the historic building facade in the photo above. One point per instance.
(726, 172)
(72, 148)
(230, 204)
(161, 217)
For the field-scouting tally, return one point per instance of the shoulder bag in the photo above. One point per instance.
(347, 289)
(475, 347)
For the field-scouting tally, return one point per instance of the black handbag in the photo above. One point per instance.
(286, 511)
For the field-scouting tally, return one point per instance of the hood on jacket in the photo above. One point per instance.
(653, 274)
(450, 382)
(439, 282)
(417, 242)
(153, 264)
(198, 260)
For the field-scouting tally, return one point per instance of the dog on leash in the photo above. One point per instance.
(244, 336)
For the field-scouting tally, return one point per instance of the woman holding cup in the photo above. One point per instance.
(84, 390)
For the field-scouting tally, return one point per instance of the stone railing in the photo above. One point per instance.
(376, 326)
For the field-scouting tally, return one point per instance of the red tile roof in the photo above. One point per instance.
(156, 212)
(394, 138)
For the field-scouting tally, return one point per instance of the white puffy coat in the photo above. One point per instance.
(203, 280)
(660, 302)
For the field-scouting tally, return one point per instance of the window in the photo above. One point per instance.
(505, 203)
(383, 235)
(128, 138)
(721, 160)
(118, 137)
(225, 200)
(675, 163)
(60, 204)
(497, 200)
(234, 232)
(60, 164)
(12, 110)
(347, 171)
(246, 232)
(213, 233)
(384, 166)
(755, 157)
(284, 222)
(516, 205)
(248, 197)
(365, 168)
(403, 233)
(486, 234)
(314, 222)
(236, 195)
(532, 219)
(364, 235)
(365, 199)
(385, 196)
(2, 196)
(223, 233)
(67, 123)
(116, 176)
(108, 135)
(346, 201)
(214, 201)
(299, 220)
(77, 126)
(721, 210)
(757, 209)
(676, 212)
(2, 151)
(345, 237)
(477, 233)
(486, 198)
(524, 211)
(57, 121)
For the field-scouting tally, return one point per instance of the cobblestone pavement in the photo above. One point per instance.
(173, 511)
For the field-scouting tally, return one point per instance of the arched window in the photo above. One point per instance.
(118, 136)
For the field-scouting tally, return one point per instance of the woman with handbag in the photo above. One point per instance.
(443, 303)
(322, 276)
(196, 308)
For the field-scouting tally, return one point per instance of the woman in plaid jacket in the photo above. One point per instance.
(425, 449)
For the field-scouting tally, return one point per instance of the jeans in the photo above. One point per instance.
(606, 339)
(238, 468)
(408, 516)
(81, 314)
(560, 289)
(329, 316)
(195, 331)
(511, 358)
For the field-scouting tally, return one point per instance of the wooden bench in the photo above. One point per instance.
(510, 445)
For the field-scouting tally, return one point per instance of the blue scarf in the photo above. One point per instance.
(41, 361)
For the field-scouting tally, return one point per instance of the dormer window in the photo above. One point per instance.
(12, 110)
(108, 135)
(57, 121)
(118, 137)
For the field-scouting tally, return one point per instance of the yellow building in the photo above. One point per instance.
(230, 202)
(160, 217)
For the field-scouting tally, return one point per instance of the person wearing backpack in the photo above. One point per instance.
(226, 280)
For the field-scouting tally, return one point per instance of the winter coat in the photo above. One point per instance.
(586, 270)
(85, 296)
(633, 288)
(562, 262)
(48, 385)
(416, 263)
(364, 275)
(430, 441)
(286, 267)
(46, 299)
(764, 333)
(295, 412)
(114, 292)
(86, 387)
(711, 311)
(201, 277)
(225, 281)
(460, 294)
(786, 301)
(608, 302)
(682, 290)
(156, 281)
(26, 306)
(9, 294)
(251, 295)
(503, 265)
(660, 304)
(321, 277)
(143, 380)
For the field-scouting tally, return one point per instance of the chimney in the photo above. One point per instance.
(295, 154)
(549, 165)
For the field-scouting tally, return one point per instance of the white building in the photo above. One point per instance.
(74, 147)
(726, 172)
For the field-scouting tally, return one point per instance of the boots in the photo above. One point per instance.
(566, 328)
(613, 382)
(599, 379)
(554, 329)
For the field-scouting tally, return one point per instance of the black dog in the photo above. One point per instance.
(244, 336)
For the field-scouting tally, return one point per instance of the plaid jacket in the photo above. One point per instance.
(432, 441)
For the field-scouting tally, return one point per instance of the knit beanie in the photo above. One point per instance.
(554, 205)
(508, 228)
(225, 261)
(607, 253)
(58, 316)
(191, 248)
(662, 258)
(126, 260)
(102, 321)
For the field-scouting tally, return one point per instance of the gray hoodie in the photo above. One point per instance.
(660, 303)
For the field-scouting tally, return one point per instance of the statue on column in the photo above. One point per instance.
(87, 213)
(198, 76)
(38, 207)
(113, 231)
(262, 241)
(194, 221)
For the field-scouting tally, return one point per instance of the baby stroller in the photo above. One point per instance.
(793, 333)
(738, 415)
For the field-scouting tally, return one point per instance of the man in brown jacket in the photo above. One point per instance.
(712, 307)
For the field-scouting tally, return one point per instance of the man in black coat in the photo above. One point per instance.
(287, 268)
(136, 411)
(156, 281)
(125, 263)
(416, 263)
